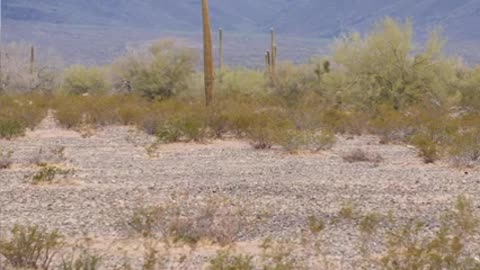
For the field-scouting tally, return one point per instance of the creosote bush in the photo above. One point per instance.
(30, 247)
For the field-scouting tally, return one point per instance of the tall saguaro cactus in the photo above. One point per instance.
(208, 54)
(220, 49)
(273, 53)
(32, 60)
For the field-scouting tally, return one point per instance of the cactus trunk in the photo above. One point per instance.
(267, 63)
(32, 60)
(273, 54)
(208, 54)
(220, 49)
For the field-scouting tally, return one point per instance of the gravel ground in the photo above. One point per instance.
(114, 171)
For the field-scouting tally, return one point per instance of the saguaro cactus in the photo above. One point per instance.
(273, 53)
(220, 49)
(209, 66)
(267, 63)
(32, 60)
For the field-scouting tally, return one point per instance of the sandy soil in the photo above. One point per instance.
(115, 172)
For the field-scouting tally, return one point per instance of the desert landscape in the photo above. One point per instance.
(114, 176)
(243, 148)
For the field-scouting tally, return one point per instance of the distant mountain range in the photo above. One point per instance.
(96, 23)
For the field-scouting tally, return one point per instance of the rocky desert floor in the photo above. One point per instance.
(115, 170)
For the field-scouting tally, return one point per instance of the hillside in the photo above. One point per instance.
(67, 21)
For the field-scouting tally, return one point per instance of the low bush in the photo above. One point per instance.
(30, 247)
(359, 155)
(428, 148)
(224, 260)
(10, 128)
(214, 219)
(48, 173)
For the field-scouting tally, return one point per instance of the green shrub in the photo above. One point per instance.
(428, 147)
(11, 128)
(267, 128)
(182, 122)
(384, 68)
(161, 72)
(79, 80)
(241, 82)
(30, 247)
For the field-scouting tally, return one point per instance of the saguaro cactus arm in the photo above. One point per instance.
(208, 54)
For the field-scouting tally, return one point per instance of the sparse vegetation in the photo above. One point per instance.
(49, 173)
(215, 219)
(226, 261)
(359, 155)
(5, 159)
(30, 247)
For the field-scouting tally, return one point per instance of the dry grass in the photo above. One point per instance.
(215, 219)
(359, 155)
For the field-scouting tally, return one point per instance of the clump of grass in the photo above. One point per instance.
(348, 210)
(359, 155)
(84, 261)
(278, 256)
(48, 173)
(315, 225)
(30, 247)
(224, 260)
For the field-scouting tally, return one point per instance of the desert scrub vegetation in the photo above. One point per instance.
(47, 174)
(19, 112)
(359, 155)
(81, 80)
(30, 247)
(189, 221)
(25, 73)
(383, 242)
(162, 71)
(378, 83)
